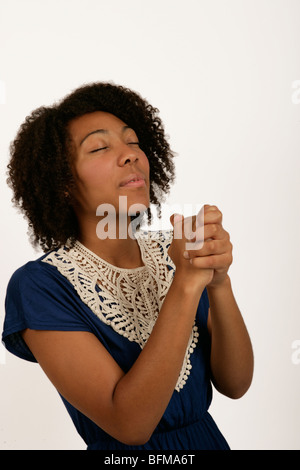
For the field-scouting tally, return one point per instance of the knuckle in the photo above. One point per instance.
(210, 261)
(228, 259)
(212, 245)
(214, 228)
(229, 245)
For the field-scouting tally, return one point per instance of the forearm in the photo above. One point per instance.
(142, 395)
(231, 350)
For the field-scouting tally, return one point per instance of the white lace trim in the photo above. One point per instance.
(128, 300)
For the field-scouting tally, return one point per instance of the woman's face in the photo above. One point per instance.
(108, 164)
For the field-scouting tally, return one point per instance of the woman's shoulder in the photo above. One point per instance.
(40, 298)
(32, 270)
(37, 276)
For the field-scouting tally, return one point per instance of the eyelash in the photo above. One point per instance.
(97, 150)
(103, 148)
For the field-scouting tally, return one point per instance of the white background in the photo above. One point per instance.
(222, 74)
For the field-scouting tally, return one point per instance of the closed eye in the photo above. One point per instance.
(97, 150)
(104, 148)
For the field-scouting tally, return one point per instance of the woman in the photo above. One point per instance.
(131, 330)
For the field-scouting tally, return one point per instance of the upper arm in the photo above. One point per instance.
(81, 369)
(209, 322)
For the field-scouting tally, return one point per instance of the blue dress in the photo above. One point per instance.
(65, 290)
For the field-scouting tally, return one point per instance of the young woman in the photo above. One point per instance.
(131, 330)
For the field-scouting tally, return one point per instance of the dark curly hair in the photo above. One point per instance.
(39, 171)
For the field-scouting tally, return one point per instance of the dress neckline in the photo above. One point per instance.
(98, 260)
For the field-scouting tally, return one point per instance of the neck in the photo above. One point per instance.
(118, 248)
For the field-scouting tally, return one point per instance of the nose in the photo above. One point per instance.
(127, 154)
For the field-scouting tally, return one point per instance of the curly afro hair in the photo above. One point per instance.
(39, 171)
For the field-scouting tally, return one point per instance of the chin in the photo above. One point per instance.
(135, 204)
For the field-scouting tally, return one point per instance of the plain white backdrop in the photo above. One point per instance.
(225, 76)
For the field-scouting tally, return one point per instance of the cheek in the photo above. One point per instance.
(90, 174)
(145, 162)
(93, 181)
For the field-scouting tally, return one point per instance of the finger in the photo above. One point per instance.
(210, 247)
(212, 214)
(222, 261)
(210, 231)
(207, 215)
(175, 218)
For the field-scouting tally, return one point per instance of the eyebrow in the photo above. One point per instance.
(101, 131)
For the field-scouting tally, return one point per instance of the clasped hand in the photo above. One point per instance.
(212, 260)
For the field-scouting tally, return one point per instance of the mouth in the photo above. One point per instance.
(133, 181)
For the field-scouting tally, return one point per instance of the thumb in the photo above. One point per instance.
(175, 218)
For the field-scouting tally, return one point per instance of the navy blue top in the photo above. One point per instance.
(41, 298)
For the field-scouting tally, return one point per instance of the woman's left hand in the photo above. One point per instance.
(216, 251)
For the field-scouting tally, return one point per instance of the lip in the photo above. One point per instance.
(134, 180)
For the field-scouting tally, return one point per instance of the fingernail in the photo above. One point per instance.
(186, 254)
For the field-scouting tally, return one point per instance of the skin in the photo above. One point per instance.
(129, 406)
(103, 161)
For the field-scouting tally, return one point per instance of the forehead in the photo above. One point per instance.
(81, 126)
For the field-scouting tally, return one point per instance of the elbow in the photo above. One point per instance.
(242, 386)
(127, 434)
(237, 393)
(234, 391)
(132, 437)
(129, 431)
(138, 441)
(128, 426)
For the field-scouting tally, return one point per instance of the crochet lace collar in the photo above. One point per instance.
(129, 300)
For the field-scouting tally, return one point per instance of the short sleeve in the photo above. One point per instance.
(40, 298)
